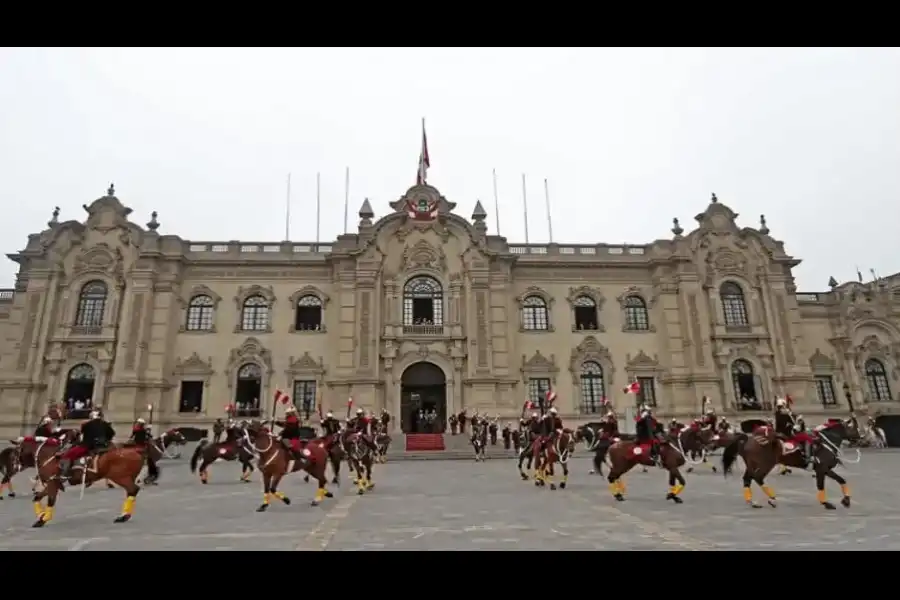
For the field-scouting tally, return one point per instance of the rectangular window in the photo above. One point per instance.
(647, 394)
(305, 396)
(191, 400)
(825, 390)
(537, 390)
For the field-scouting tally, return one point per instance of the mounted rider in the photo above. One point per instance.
(141, 433)
(647, 431)
(792, 428)
(290, 429)
(363, 425)
(96, 435)
(330, 425)
(47, 428)
(709, 419)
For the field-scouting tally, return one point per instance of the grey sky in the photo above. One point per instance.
(628, 138)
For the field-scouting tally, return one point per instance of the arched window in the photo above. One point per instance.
(636, 317)
(200, 314)
(423, 302)
(592, 388)
(585, 313)
(308, 314)
(733, 305)
(535, 316)
(79, 393)
(91, 304)
(876, 376)
(745, 389)
(248, 390)
(255, 314)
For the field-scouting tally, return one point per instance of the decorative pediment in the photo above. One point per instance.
(725, 261)
(821, 362)
(594, 294)
(591, 350)
(251, 351)
(194, 365)
(243, 293)
(309, 290)
(306, 365)
(871, 347)
(539, 365)
(717, 217)
(199, 290)
(534, 290)
(423, 199)
(100, 259)
(642, 362)
(423, 255)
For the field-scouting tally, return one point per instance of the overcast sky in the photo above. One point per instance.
(627, 138)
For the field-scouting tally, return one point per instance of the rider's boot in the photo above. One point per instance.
(807, 453)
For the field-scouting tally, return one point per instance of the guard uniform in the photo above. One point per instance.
(96, 434)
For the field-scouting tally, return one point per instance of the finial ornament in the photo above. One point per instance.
(112, 190)
(676, 227)
(153, 225)
(832, 282)
(763, 228)
(54, 219)
(714, 199)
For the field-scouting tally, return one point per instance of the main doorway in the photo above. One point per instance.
(423, 399)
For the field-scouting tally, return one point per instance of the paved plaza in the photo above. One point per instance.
(463, 505)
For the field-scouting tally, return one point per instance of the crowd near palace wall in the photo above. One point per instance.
(424, 306)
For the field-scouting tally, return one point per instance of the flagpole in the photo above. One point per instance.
(496, 201)
(318, 205)
(346, 197)
(287, 211)
(525, 207)
(547, 201)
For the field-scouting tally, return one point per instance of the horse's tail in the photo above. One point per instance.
(195, 458)
(732, 451)
(6, 466)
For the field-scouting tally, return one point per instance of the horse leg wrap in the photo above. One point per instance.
(279, 495)
(820, 496)
(265, 497)
(622, 487)
(845, 490)
(128, 505)
(614, 488)
(38, 510)
(320, 494)
(677, 489)
(769, 492)
(748, 495)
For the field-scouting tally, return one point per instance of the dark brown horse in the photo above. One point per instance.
(336, 455)
(361, 458)
(558, 451)
(276, 460)
(21, 456)
(624, 455)
(156, 450)
(121, 466)
(763, 449)
(227, 451)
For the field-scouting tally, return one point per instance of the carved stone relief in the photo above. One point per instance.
(309, 290)
(250, 351)
(423, 255)
(199, 290)
(539, 366)
(194, 367)
(100, 259)
(306, 366)
(642, 362)
(243, 293)
(594, 294)
(821, 363)
(591, 350)
(646, 294)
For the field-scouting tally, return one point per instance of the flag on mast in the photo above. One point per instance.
(424, 161)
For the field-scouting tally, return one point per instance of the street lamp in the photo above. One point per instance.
(848, 396)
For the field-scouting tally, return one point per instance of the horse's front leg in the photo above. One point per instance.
(564, 480)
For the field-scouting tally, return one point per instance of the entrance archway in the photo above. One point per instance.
(423, 393)
(79, 394)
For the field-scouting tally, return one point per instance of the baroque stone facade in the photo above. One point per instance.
(151, 315)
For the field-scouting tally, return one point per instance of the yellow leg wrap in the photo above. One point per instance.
(128, 505)
(564, 478)
(845, 490)
(677, 489)
(279, 495)
(320, 494)
(38, 509)
(265, 497)
(48, 514)
(2, 485)
(768, 491)
(820, 496)
(614, 488)
(537, 475)
(622, 488)
(361, 483)
(748, 494)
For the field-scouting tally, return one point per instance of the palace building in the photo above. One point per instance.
(422, 309)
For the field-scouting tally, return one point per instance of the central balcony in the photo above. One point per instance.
(430, 330)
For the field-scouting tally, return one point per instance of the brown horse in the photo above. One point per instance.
(336, 455)
(227, 451)
(624, 455)
(21, 456)
(763, 449)
(361, 458)
(121, 466)
(156, 450)
(383, 444)
(276, 461)
(558, 450)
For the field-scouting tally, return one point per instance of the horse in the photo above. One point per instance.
(119, 465)
(871, 437)
(21, 456)
(276, 461)
(382, 443)
(156, 450)
(558, 450)
(523, 450)
(227, 451)
(479, 439)
(336, 455)
(763, 449)
(697, 442)
(360, 457)
(626, 454)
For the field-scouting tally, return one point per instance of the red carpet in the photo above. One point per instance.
(420, 442)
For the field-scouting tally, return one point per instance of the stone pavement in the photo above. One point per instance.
(458, 505)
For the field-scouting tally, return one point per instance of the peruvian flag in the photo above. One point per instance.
(551, 397)
(531, 406)
(633, 388)
(282, 397)
(350, 401)
(424, 161)
(789, 400)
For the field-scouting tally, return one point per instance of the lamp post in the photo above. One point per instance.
(848, 396)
